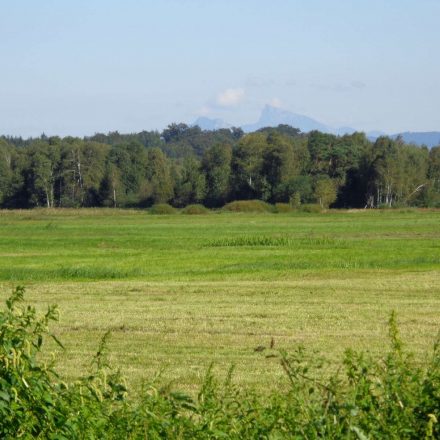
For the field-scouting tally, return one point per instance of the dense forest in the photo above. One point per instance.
(185, 165)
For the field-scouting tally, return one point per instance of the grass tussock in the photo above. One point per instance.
(195, 210)
(268, 240)
(248, 206)
(249, 240)
(282, 208)
(162, 209)
(311, 208)
(395, 396)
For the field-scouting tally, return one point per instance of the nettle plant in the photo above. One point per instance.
(395, 397)
(27, 390)
(34, 402)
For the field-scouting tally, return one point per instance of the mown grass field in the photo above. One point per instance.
(179, 292)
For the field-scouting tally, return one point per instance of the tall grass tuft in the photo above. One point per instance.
(248, 206)
(162, 209)
(251, 240)
(195, 210)
(283, 208)
(311, 208)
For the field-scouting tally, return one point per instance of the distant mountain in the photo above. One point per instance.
(273, 116)
(428, 138)
(211, 124)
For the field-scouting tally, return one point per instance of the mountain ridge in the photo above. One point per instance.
(273, 116)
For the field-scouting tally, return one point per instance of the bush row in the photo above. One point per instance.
(250, 206)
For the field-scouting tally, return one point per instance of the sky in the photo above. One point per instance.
(86, 66)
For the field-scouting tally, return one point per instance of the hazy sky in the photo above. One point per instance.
(78, 67)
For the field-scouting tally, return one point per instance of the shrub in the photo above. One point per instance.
(283, 207)
(326, 191)
(248, 206)
(162, 209)
(295, 200)
(33, 403)
(195, 210)
(312, 208)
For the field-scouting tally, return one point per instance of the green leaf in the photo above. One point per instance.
(5, 396)
(359, 433)
(57, 341)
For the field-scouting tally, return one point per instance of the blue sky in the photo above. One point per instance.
(79, 67)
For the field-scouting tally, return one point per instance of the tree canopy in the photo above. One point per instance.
(185, 165)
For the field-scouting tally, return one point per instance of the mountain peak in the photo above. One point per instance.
(273, 116)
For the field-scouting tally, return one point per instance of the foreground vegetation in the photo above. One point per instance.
(388, 398)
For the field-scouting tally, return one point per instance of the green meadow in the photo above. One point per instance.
(179, 292)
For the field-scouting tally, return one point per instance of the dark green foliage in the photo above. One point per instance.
(182, 140)
(186, 165)
(5, 170)
(216, 165)
(332, 155)
(395, 397)
(159, 186)
(277, 166)
(247, 181)
(301, 185)
(190, 183)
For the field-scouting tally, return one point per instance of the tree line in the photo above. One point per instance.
(184, 165)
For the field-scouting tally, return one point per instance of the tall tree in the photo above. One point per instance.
(217, 167)
(128, 161)
(247, 157)
(190, 186)
(94, 157)
(6, 154)
(158, 173)
(325, 191)
(110, 186)
(44, 172)
(278, 165)
(72, 184)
